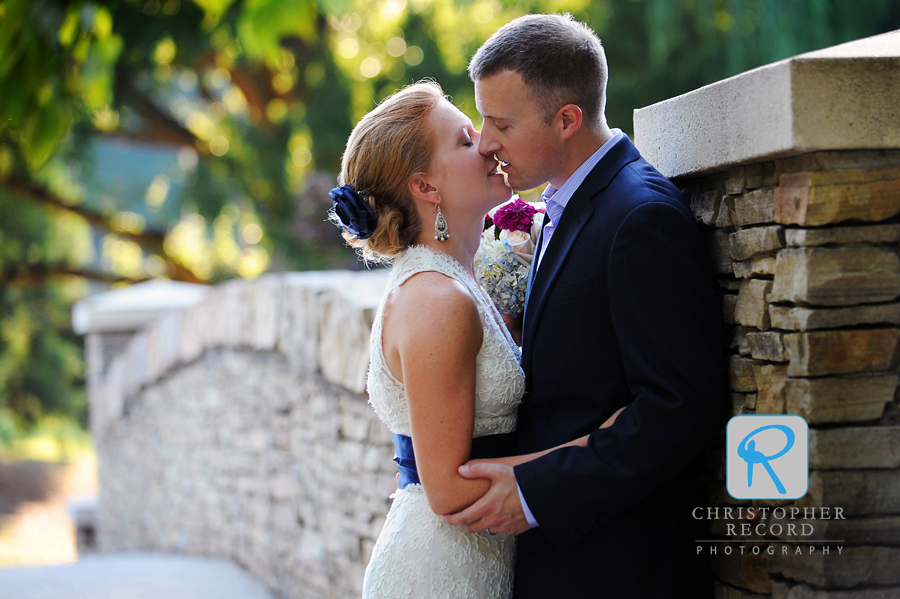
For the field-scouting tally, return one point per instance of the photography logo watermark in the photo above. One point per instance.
(767, 457)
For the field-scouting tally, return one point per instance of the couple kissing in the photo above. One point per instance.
(557, 454)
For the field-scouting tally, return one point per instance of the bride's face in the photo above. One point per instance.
(464, 178)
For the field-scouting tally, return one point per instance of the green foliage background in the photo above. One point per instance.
(235, 114)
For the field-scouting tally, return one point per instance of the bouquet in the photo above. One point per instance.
(504, 257)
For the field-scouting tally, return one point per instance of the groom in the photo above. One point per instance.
(621, 312)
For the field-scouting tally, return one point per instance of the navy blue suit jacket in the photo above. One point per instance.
(622, 312)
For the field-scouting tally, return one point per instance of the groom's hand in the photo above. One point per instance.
(499, 509)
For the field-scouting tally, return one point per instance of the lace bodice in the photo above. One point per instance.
(499, 382)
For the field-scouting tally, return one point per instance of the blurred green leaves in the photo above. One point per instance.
(59, 60)
(41, 364)
(263, 24)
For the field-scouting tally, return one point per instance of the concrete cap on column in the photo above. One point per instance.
(132, 307)
(846, 97)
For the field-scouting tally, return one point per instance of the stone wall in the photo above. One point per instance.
(239, 428)
(801, 215)
(813, 329)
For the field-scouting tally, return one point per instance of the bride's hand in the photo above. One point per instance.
(514, 324)
(609, 421)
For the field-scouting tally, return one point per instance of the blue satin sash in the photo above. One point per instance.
(406, 460)
(488, 446)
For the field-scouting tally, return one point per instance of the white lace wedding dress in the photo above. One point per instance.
(418, 555)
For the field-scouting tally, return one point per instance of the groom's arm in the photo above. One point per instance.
(503, 508)
(668, 327)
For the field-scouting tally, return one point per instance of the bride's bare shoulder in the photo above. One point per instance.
(430, 288)
(430, 299)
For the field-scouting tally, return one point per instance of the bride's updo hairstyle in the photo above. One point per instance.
(388, 148)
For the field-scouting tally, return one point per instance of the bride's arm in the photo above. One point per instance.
(521, 459)
(433, 333)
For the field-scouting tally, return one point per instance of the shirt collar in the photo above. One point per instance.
(561, 196)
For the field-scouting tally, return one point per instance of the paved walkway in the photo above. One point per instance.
(133, 576)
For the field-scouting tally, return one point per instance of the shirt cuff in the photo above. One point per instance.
(528, 515)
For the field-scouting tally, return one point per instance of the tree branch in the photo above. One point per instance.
(160, 126)
(153, 240)
(37, 274)
(149, 240)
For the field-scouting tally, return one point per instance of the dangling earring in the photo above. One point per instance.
(441, 231)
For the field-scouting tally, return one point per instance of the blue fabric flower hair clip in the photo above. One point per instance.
(353, 212)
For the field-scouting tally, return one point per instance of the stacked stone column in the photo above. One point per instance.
(809, 277)
(793, 171)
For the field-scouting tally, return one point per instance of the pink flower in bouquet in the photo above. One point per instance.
(515, 216)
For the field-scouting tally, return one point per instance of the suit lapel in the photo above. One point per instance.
(576, 215)
(571, 223)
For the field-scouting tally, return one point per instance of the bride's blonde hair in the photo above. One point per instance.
(390, 146)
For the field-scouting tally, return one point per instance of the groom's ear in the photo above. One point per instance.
(570, 119)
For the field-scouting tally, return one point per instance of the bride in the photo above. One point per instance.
(444, 374)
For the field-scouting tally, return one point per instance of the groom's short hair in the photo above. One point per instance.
(561, 61)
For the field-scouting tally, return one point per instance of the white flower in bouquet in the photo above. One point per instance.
(504, 257)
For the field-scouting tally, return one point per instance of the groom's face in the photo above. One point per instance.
(514, 131)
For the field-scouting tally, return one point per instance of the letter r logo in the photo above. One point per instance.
(767, 456)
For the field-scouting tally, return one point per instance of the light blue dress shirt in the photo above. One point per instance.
(558, 199)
